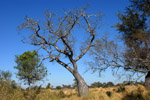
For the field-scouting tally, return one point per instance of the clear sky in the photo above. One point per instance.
(12, 13)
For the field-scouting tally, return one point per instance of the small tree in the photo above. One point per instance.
(29, 67)
(5, 78)
(58, 87)
(74, 85)
(48, 86)
(13, 84)
(5, 75)
(66, 86)
(96, 84)
(109, 84)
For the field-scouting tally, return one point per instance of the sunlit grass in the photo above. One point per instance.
(132, 92)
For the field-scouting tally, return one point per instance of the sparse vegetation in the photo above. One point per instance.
(109, 93)
(98, 91)
(48, 86)
(58, 87)
(128, 92)
(121, 88)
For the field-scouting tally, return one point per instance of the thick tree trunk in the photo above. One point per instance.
(147, 80)
(82, 87)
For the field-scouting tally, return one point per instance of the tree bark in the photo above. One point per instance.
(82, 87)
(147, 80)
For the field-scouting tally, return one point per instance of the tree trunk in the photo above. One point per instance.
(82, 87)
(147, 80)
(29, 87)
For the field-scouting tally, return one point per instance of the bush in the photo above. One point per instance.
(134, 96)
(7, 92)
(121, 89)
(96, 84)
(137, 95)
(48, 86)
(61, 94)
(109, 93)
(58, 87)
(13, 84)
(38, 90)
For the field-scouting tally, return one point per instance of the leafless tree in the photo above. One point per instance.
(109, 54)
(135, 32)
(57, 38)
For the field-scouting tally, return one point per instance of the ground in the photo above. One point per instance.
(129, 92)
(132, 92)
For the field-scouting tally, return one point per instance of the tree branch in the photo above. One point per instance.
(82, 54)
(64, 65)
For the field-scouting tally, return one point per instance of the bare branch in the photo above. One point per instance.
(65, 65)
(61, 23)
(82, 54)
(67, 45)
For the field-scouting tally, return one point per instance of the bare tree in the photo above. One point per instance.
(57, 38)
(135, 55)
(117, 56)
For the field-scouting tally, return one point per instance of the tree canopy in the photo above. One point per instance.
(5, 75)
(30, 68)
(135, 31)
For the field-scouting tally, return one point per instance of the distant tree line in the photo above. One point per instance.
(103, 85)
(5, 76)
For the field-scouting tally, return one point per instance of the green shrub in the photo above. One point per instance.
(134, 96)
(38, 90)
(7, 92)
(61, 94)
(58, 87)
(109, 93)
(48, 86)
(121, 89)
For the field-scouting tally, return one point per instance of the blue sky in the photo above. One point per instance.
(12, 13)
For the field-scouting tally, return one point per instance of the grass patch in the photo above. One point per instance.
(121, 89)
(133, 92)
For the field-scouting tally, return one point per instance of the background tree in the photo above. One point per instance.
(135, 54)
(66, 86)
(109, 84)
(5, 75)
(48, 86)
(59, 38)
(96, 85)
(136, 34)
(74, 85)
(14, 84)
(5, 78)
(30, 68)
(58, 87)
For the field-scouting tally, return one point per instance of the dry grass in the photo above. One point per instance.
(132, 92)
(114, 93)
